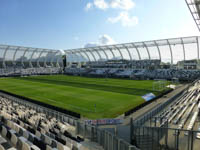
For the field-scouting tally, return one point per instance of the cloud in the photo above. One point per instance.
(101, 4)
(122, 4)
(76, 38)
(88, 6)
(62, 52)
(103, 40)
(91, 45)
(106, 40)
(125, 19)
(115, 4)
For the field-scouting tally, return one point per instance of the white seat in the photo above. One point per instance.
(60, 146)
(34, 147)
(9, 123)
(12, 148)
(48, 140)
(25, 146)
(48, 147)
(16, 128)
(2, 148)
(2, 140)
(14, 139)
(4, 131)
(38, 134)
(25, 134)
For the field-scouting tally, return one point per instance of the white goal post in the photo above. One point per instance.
(159, 85)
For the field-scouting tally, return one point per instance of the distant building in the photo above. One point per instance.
(189, 64)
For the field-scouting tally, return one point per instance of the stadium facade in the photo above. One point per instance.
(169, 51)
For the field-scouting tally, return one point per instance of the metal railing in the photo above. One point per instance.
(141, 120)
(148, 137)
(104, 138)
(159, 138)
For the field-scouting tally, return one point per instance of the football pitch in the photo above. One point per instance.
(91, 97)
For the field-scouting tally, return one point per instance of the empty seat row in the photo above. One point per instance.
(137, 73)
(35, 128)
(29, 71)
(181, 109)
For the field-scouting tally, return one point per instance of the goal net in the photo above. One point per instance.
(159, 85)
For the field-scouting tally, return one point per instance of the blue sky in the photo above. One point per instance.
(65, 24)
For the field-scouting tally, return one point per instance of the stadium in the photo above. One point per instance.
(130, 96)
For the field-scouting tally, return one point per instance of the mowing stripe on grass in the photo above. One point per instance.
(123, 90)
(112, 97)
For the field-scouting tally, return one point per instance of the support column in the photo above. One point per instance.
(104, 53)
(147, 50)
(4, 56)
(75, 53)
(139, 56)
(57, 63)
(45, 60)
(112, 52)
(86, 55)
(119, 51)
(66, 53)
(53, 58)
(14, 62)
(128, 52)
(92, 55)
(22, 60)
(158, 50)
(38, 59)
(170, 48)
(197, 49)
(81, 54)
(98, 54)
(129, 55)
(30, 61)
(183, 49)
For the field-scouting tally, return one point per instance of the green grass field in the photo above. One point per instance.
(112, 97)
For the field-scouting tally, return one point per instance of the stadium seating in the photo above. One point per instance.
(171, 73)
(75, 71)
(29, 71)
(136, 64)
(180, 111)
(167, 74)
(137, 69)
(23, 128)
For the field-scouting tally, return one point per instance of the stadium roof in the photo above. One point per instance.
(12, 55)
(194, 7)
(167, 50)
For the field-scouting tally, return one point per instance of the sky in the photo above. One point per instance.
(69, 24)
